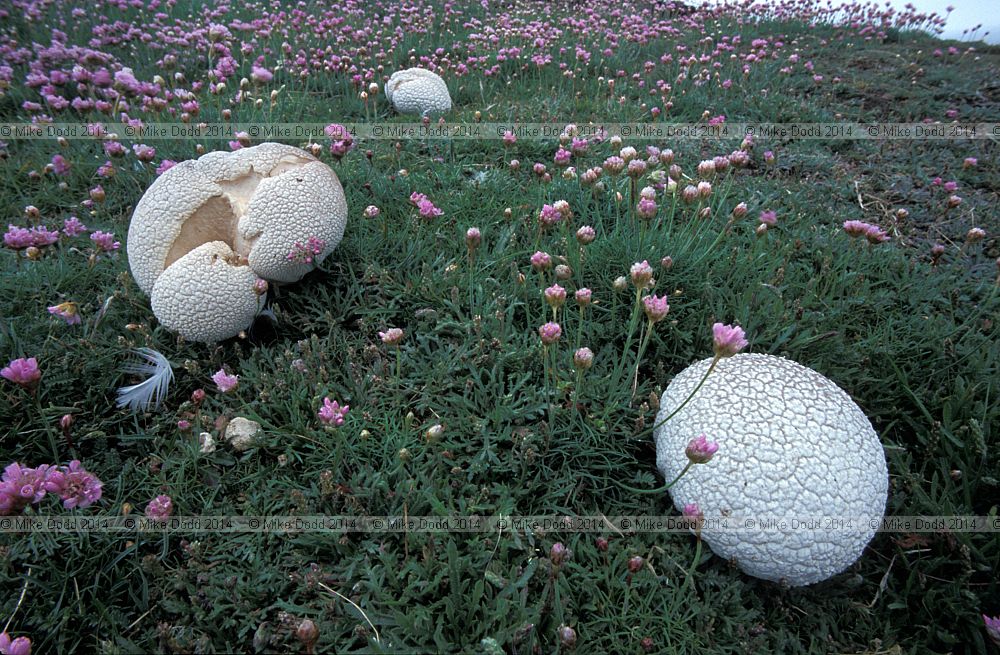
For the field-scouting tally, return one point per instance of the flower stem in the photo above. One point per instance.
(686, 400)
(659, 490)
(643, 342)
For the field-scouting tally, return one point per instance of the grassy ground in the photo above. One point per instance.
(912, 339)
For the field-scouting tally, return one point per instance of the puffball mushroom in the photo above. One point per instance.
(418, 91)
(208, 229)
(792, 445)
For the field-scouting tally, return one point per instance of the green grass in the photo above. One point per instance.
(914, 344)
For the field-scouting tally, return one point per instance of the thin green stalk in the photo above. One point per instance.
(631, 331)
(686, 400)
(643, 342)
(659, 490)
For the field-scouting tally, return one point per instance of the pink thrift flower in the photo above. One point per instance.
(225, 382)
(700, 450)
(165, 166)
(160, 508)
(22, 371)
(473, 237)
(143, 152)
(549, 216)
(555, 296)
(114, 149)
(583, 358)
(332, 414)
(541, 261)
(17, 237)
(73, 227)
(261, 75)
(105, 241)
(562, 157)
(59, 165)
(642, 274)
(509, 138)
(769, 218)
(728, 340)
(19, 646)
(68, 311)
(970, 162)
(583, 296)
(586, 235)
(427, 209)
(391, 337)
(992, 625)
(656, 308)
(646, 208)
(950, 186)
(371, 211)
(550, 333)
(74, 485)
(417, 198)
(691, 511)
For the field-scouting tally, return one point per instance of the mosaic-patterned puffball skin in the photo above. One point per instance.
(418, 91)
(793, 446)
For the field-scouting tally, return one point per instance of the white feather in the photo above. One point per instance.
(153, 389)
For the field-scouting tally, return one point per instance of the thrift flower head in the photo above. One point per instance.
(473, 237)
(555, 296)
(371, 211)
(691, 511)
(19, 646)
(73, 227)
(331, 413)
(583, 358)
(549, 216)
(646, 208)
(541, 261)
(873, 233)
(427, 209)
(970, 162)
(225, 382)
(728, 339)
(583, 296)
(550, 333)
(304, 253)
(68, 311)
(160, 508)
(74, 485)
(391, 337)
(22, 237)
(700, 450)
(642, 274)
(656, 308)
(586, 235)
(992, 628)
(22, 371)
(21, 486)
(769, 218)
(105, 241)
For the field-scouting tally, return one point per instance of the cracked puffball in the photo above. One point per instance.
(418, 91)
(796, 455)
(241, 433)
(208, 229)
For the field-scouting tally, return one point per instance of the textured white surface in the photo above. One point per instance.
(204, 297)
(791, 444)
(418, 91)
(259, 201)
